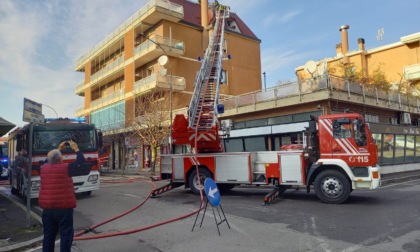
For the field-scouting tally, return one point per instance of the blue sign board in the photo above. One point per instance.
(31, 106)
(212, 192)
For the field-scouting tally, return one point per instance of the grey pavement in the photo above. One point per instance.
(15, 235)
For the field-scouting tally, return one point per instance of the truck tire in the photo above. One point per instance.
(332, 187)
(193, 181)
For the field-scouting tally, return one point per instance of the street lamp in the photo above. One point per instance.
(163, 60)
(52, 109)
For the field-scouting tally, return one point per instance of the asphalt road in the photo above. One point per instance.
(386, 219)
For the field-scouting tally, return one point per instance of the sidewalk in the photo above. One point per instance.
(16, 236)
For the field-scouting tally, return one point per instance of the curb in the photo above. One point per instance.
(25, 244)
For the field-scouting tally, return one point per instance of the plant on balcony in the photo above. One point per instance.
(376, 79)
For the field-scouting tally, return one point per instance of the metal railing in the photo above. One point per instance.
(142, 85)
(154, 41)
(333, 83)
(79, 87)
(172, 7)
(113, 97)
(111, 67)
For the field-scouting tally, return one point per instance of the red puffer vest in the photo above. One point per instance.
(57, 190)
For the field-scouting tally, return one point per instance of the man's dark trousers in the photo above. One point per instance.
(55, 220)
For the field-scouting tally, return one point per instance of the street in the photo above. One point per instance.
(386, 219)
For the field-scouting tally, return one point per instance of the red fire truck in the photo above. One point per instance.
(338, 154)
(47, 137)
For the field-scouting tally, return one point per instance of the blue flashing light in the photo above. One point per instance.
(229, 56)
(78, 119)
(199, 58)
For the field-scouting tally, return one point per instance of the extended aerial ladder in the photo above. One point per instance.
(201, 130)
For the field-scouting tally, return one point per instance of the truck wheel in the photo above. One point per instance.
(193, 181)
(332, 187)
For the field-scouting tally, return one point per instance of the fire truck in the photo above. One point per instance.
(338, 153)
(47, 137)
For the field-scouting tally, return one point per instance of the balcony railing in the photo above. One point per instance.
(80, 88)
(333, 83)
(169, 45)
(80, 111)
(114, 66)
(108, 99)
(157, 80)
(174, 9)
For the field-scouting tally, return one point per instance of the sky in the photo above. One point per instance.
(41, 40)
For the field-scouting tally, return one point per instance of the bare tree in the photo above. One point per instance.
(152, 121)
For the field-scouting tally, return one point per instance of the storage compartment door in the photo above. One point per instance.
(291, 169)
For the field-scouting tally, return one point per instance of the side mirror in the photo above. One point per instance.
(100, 141)
(19, 144)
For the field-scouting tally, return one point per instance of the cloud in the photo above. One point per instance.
(40, 42)
(275, 18)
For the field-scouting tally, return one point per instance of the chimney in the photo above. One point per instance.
(361, 43)
(344, 38)
(204, 13)
(338, 50)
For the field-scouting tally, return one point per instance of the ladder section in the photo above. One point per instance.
(203, 107)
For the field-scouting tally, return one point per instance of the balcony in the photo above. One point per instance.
(80, 88)
(158, 81)
(312, 90)
(80, 111)
(107, 100)
(151, 13)
(155, 47)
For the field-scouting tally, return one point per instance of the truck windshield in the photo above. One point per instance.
(45, 141)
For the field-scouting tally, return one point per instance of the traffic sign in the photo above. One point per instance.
(32, 112)
(212, 192)
(32, 106)
(32, 117)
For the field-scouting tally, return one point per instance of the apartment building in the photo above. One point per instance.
(124, 65)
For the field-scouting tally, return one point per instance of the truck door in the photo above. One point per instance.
(350, 142)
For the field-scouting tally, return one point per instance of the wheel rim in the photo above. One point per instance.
(332, 187)
(196, 185)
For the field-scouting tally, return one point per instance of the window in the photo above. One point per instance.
(359, 132)
(234, 145)
(255, 144)
(224, 77)
(341, 128)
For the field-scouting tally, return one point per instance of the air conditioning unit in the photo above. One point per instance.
(405, 118)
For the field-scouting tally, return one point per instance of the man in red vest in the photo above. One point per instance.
(57, 197)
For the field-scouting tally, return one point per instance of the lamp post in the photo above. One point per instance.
(52, 109)
(163, 60)
(264, 82)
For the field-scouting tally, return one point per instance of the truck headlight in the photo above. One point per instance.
(92, 178)
(36, 183)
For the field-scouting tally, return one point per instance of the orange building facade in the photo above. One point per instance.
(124, 66)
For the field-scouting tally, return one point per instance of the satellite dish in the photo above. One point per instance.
(163, 60)
(310, 67)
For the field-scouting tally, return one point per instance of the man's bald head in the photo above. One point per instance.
(54, 157)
